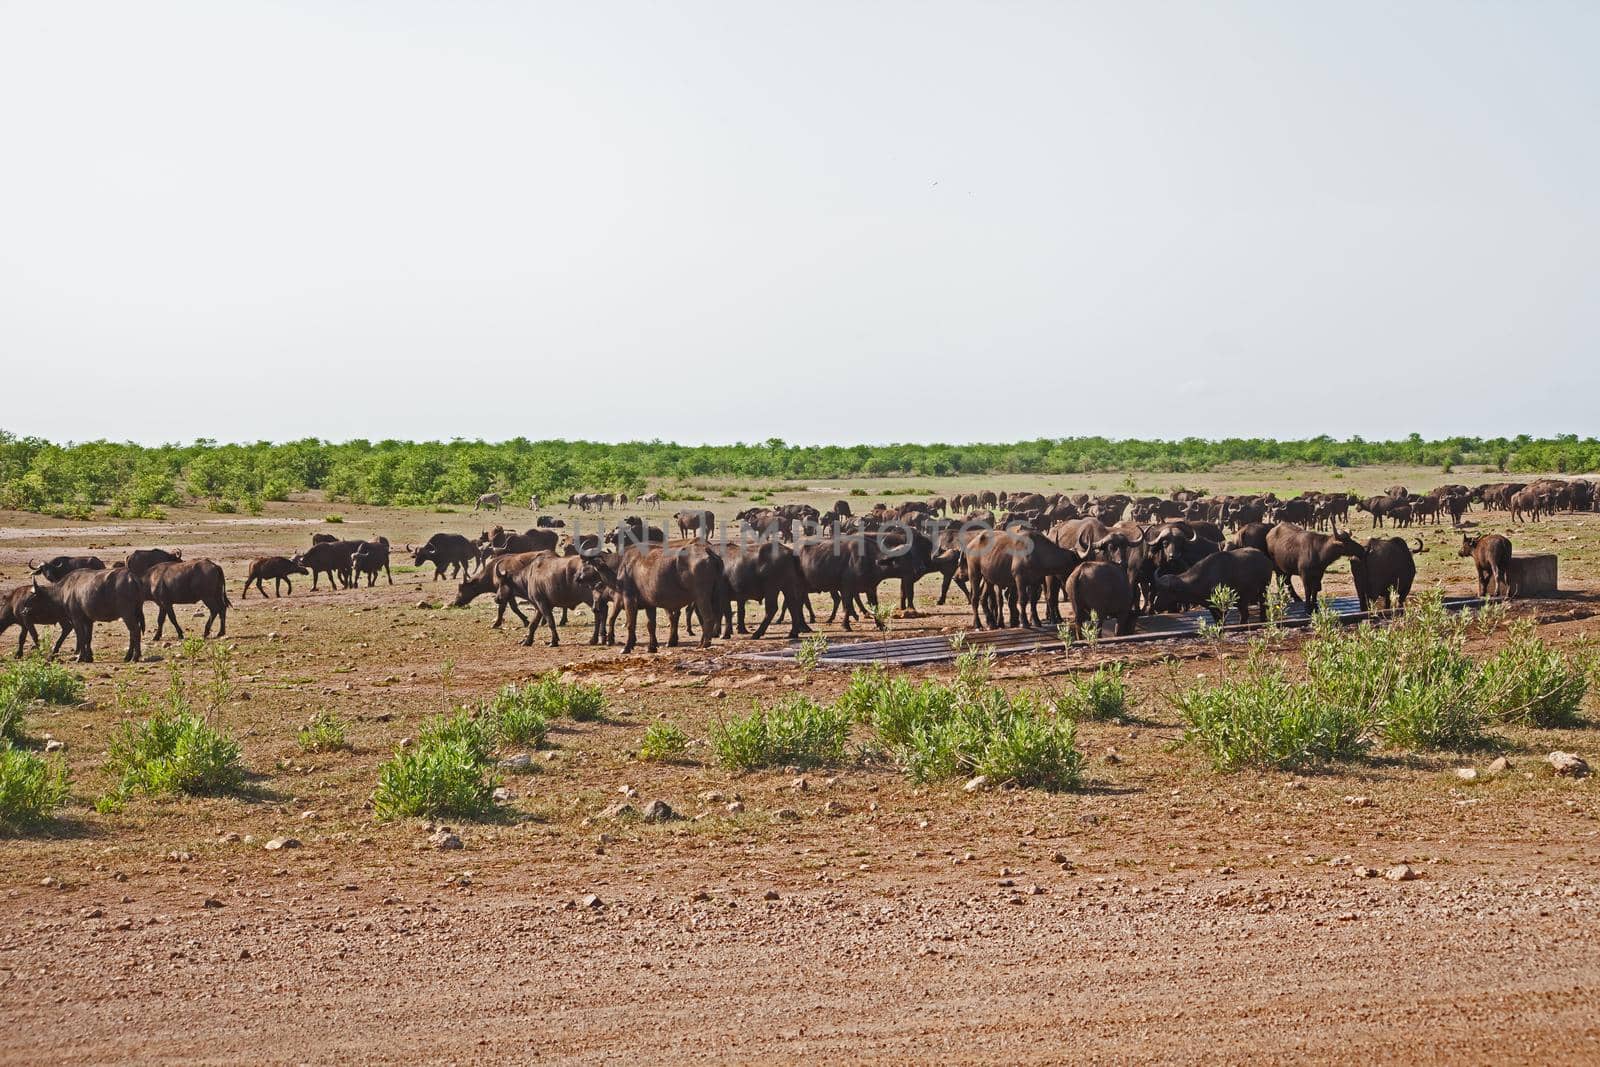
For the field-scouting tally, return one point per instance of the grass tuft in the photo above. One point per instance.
(324, 733)
(32, 787)
(796, 731)
(663, 742)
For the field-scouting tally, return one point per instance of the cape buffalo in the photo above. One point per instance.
(58, 567)
(85, 597)
(1100, 591)
(333, 559)
(197, 582)
(40, 613)
(446, 551)
(370, 558)
(1308, 555)
(1491, 554)
(764, 572)
(278, 568)
(1247, 571)
(653, 577)
(143, 559)
(1388, 566)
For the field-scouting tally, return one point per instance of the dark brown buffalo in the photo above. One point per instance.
(446, 551)
(1491, 554)
(324, 538)
(698, 524)
(1247, 571)
(1100, 591)
(1298, 511)
(767, 572)
(58, 567)
(846, 567)
(333, 559)
(278, 568)
(1525, 506)
(1306, 554)
(1016, 566)
(193, 582)
(143, 559)
(1378, 507)
(1388, 567)
(495, 577)
(85, 597)
(550, 582)
(42, 613)
(369, 559)
(670, 578)
(1252, 535)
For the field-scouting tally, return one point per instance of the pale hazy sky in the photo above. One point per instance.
(829, 222)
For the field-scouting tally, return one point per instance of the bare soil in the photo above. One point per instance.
(1165, 911)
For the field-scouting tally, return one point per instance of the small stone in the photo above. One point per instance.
(977, 783)
(1400, 872)
(699, 896)
(1295, 783)
(308, 815)
(1035, 890)
(1499, 765)
(516, 764)
(591, 900)
(736, 807)
(1089, 818)
(282, 842)
(444, 840)
(771, 894)
(91, 913)
(1225, 870)
(1358, 802)
(1467, 774)
(1568, 765)
(620, 810)
(211, 902)
(501, 794)
(1112, 756)
(54, 745)
(711, 796)
(833, 809)
(786, 815)
(229, 838)
(659, 811)
(423, 605)
(799, 785)
(1365, 872)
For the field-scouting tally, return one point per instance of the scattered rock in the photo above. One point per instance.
(771, 894)
(1112, 756)
(1467, 774)
(91, 913)
(1358, 802)
(833, 809)
(1088, 818)
(628, 791)
(1401, 872)
(699, 896)
(659, 811)
(444, 840)
(229, 838)
(1035, 890)
(711, 796)
(735, 808)
(786, 815)
(799, 785)
(1366, 872)
(591, 900)
(211, 902)
(1500, 765)
(308, 815)
(282, 842)
(501, 795)
(975, 784)
(54, 745)
(423, 605)
(1568, 765)
(517, 764)
(620, 810)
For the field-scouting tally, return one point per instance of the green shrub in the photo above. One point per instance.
(1029, 747)
(796, 731)
(442, 775)
(1411, 680)
(557, 699)
(174, 751)
(810, 652)
(1531, 682)
(31, 787)
(663, 741)
(473, 732)
(1262, 719)
(518, 716)
(324, 733)
(333, 518)
(39, 678)
(1099, 696)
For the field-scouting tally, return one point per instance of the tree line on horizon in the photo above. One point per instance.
(137, 480)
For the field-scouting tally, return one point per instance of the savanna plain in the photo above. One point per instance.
(1390, 906)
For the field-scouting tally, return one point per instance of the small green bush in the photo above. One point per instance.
(1531, 682)
(173, 751)
(1264, 720)
(39, 678)
(333, 518)
(1028, 747)
(557, 699)
(663, 741)
(518, 716)
(474, 732)
(324, 733)
(442, 775)
(32, 788)
(796, 731)
(1099, 696)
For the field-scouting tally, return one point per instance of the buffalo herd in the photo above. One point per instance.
(1016, 556)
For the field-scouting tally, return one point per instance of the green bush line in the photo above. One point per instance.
(138, 481)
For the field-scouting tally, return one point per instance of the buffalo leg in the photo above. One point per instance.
(545, 608)
(766, 620)
(135, 625)
(672, 628)
(65, 629)
(650, 627)
(85, 633)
